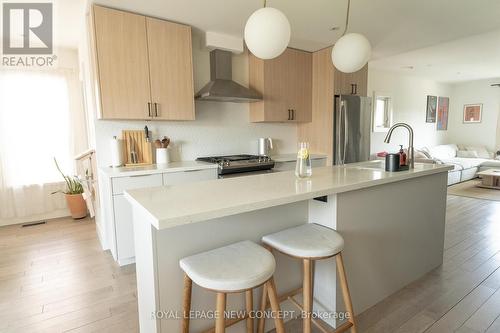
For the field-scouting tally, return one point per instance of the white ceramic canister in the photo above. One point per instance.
(162, 156)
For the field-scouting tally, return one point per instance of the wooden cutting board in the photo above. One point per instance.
(136, 141)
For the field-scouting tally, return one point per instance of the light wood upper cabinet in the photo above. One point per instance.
(270, 78)
(122, 63)
(319, 132)
(352, 83)
(300, 81)
(171, 70)
(144, 65)
(286, 86)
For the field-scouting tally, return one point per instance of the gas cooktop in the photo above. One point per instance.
(239, 163)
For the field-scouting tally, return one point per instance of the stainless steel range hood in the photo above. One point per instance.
(221, 87)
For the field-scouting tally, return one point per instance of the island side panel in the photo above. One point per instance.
(394, 234)
(178, 242)
(325, 273)
(146, 270)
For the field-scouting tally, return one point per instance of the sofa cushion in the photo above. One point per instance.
(421, 154)
(468, 174)
(481, 151)
(456, 166)
(491, 164)
(454, 177)
(426, 151)
(467, 153)
(465, 163)
(443, 152)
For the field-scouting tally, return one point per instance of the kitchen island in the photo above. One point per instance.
(393, 226)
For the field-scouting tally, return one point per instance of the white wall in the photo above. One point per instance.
(409, 105)
(484, 133)
(219, 128)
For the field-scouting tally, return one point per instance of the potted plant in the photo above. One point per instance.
(73, 194)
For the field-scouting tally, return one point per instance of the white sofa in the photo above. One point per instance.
(467, 160)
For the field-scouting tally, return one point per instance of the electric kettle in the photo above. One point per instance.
(265, 146)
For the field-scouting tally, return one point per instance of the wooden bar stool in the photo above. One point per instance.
(311, 242)
(235, 268)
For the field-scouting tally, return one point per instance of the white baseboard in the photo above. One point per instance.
(34, 218)
(101, 237)
(126, 261)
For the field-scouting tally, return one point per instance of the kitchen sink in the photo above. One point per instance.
(374, 165)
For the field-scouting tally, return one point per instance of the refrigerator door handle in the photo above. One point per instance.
(346, 130)
(338, 144)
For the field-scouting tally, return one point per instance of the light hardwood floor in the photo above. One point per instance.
(55, 278)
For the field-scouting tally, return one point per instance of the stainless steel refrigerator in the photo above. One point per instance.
(352, 128)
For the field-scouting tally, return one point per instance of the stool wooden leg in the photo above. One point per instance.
(275, 306)
(186, 307)
(345, 290)
(307, 296)
(220, 321)
(249, 306)
(263, 301)
(263, 306)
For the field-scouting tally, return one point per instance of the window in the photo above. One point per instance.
(34, 127)
(382, 113)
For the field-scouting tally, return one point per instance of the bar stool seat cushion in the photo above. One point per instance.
(235, 267)
(306, 241)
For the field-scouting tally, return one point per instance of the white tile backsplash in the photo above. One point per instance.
(219, 128)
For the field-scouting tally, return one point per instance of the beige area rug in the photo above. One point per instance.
(469, 189)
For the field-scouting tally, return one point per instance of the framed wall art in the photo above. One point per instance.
(442, 113)
(473, 113)
(430, 115)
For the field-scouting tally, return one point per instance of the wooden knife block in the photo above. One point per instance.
(144, 150)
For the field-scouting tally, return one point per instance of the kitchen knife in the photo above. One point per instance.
(133, 153)
(146, 133)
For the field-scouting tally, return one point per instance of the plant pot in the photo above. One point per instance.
(76, 205)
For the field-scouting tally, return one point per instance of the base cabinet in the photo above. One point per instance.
(124, 230)
(119, 227)
(287, 166)
(190, 176)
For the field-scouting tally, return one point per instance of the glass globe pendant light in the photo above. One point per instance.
(267, 32)
(352, 51)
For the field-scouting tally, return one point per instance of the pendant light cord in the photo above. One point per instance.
(347, 16)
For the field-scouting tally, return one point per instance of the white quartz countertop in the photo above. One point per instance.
(171, 206)
(293, 157)
(152, 169)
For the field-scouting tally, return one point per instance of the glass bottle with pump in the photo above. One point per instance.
(402, 157)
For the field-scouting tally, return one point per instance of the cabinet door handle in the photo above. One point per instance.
(156, 109)
(149, 109)
(354, 89)
(289, 114)
(293, 114)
